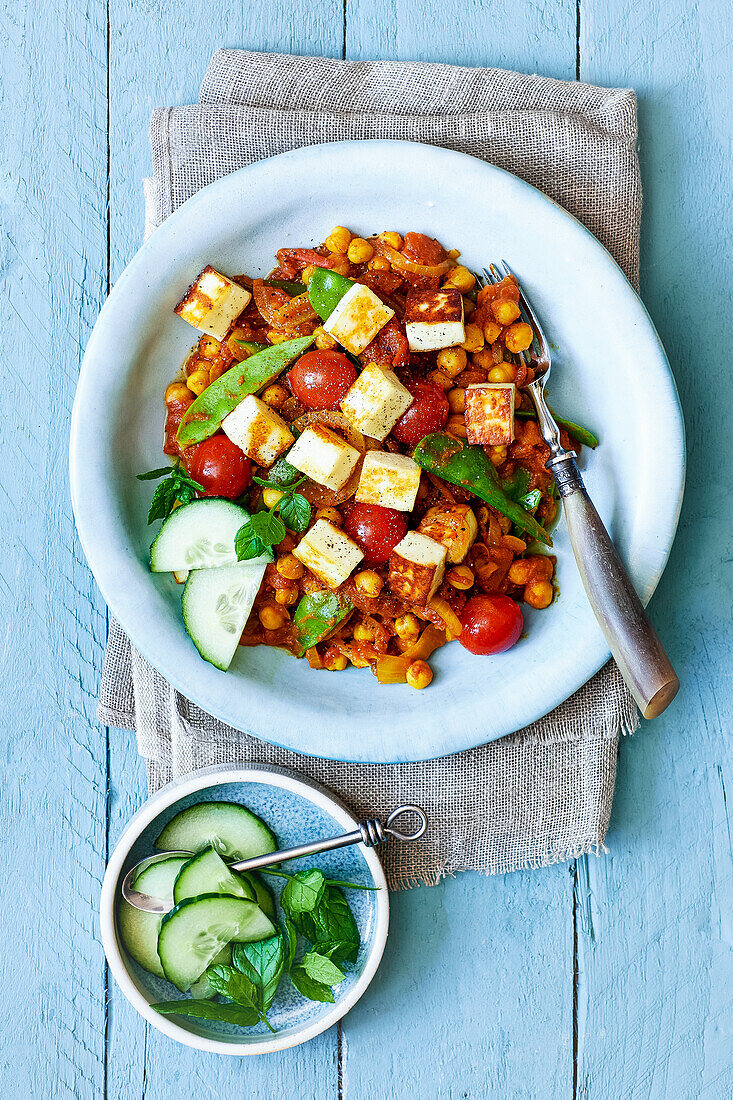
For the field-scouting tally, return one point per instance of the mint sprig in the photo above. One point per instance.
(176, 486)
(268, 527)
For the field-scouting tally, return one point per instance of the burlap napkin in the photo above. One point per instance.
(543, 794)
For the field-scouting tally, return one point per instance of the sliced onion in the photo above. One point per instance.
(397, 260)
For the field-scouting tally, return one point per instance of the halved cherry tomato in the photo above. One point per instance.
(320, 379)
(491, 624)
(220, 466)
(427, 413)
(375, 530)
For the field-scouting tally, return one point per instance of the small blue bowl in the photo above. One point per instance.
(298, 810)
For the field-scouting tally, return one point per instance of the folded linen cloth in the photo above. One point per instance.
(544, 793)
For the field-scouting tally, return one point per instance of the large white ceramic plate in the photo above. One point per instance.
(610, 373)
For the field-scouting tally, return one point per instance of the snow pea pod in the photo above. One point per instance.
(205, 415)
(326, 289)
(293, 289)
(575, 431)
(469, 467)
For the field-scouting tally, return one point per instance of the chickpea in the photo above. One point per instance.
(276, 337)
(438, 378)
(505, 311)
(368, 583)
(497, 455)
(270, 497)
(334, 661)
(456, 426)
(539, 594)
(289, 567)
(419, 674)
(198, 381)
(407, 627)
(275, 395)
(483, 359)
(474, 338)
(215, 371)
(177, 393)
(527, 571)
(324, 340)
(331, 514)
(209, 347)
(287, 595)
(363, 633)
(457, 400)
(461, 278)
(454, 253)
(273, 617)
(492, 332)
(452, 361)
(518, 337)
(360, 251)
(504, 373)
(394, 240)
(379, 263)
(461, 578)
(307, 274)
(338, 239)
(359, 662)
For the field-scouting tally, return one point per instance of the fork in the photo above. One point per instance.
(632, 639)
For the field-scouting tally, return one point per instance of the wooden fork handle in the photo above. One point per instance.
(632, 639)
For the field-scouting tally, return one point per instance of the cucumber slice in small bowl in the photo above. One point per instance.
(216, 605)
(228, 827)
(199, 535)
(207, 873)
(263, 894)
(139, 930)
(194, 933)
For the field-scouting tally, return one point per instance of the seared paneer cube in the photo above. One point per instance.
(324, 457)
(434, 319)
(258, 430)
(489, 413)
(213, 303)
(389, 480)
(375, 402)
(416, 568)
(357, 318)
(328, 553)
(454, 526)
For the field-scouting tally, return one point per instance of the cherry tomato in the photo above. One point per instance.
(220, 466)
(491, 624)
(320, 379)
(375, 530)
(427, 413)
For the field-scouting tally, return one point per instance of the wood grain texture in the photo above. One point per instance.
(477, 996)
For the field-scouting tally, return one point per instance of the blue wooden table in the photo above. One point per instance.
(601, 979)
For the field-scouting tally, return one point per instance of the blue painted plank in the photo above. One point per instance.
(656, 981)
(52, 810)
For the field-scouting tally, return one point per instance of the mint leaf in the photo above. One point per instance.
(210, 1010)
(263, 963)
(295, 512)
(281, 481)
(321, 969)
(232, 983)
(153, 475)
(332, 923)
(309, 987)
(303, 892)
(177, 486)
(248, 544)
(292, 942)
(269, 527)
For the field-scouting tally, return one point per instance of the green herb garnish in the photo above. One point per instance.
(177, 486)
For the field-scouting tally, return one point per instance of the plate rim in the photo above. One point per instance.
(209, 699)
(174, 791)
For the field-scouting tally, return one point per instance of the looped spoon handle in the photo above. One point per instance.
(370, 833)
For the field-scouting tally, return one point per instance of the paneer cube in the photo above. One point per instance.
(357, 318)
(389, 480)
(328, 553)
(416, 568)
(434, 319)
(324, 457)
(489, 413)
(258, 430)
(454, 526)
(213, 303)
(376, 401)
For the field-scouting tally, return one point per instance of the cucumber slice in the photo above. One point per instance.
(263, 894)
(193, 933)
(216, 605)
(207, 873)
(138, 930)
(197, 536)
(229, 828)
(202, 989)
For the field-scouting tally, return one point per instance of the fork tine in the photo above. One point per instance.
(527, 308)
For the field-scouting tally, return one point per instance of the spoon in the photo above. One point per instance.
(370, 833)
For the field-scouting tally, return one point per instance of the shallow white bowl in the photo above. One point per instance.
(297, 810)
(610, 373)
